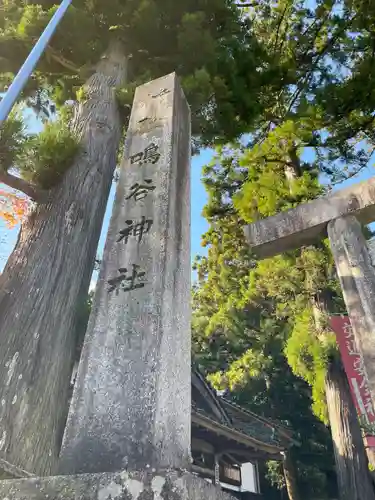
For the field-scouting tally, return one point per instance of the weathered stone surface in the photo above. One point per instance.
(307, 223)
(131, 403)
(357, 277)
(112, 486)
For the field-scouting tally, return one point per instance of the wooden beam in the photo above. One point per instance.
(201, 445)
(203, 471)
(235, 435)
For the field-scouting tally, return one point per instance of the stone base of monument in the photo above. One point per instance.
(145, 485)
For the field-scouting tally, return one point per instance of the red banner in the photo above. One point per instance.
(353, 365)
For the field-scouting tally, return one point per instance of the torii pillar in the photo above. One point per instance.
(339, 215)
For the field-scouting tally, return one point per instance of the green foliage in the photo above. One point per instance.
(209, 44)
(125, 96)
(308, 358)
(275, 474)
(81, 94)
(49, 154)
(43, 158)
(255, 324)
(250, 365)
(12, 140)
(253, 318)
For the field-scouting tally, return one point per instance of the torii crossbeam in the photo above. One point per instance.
(340, 216)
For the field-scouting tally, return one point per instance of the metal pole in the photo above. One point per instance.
(28, 66)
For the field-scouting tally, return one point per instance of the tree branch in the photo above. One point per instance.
(278, 160)
(350, 175)
(21, 185)
(278, 28)
(65, 63)
(295, 161)
(319, 54)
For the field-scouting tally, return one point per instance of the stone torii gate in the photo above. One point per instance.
(340, 215)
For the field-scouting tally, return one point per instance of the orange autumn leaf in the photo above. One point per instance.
(13, 208)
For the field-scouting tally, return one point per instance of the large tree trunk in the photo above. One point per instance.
(45, 277)
(291, 172)
(290, 475)
(353, 476)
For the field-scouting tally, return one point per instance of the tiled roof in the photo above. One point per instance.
(241, 420)
(253, 426)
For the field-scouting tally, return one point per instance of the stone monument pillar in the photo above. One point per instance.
(131, 402)
(128, 430)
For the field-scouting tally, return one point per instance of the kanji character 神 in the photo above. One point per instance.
(135, 229)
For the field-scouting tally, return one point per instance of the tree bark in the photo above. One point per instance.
(21, 185)
(353, 477)
(46, 276)
(290, 475)
(291, 171)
